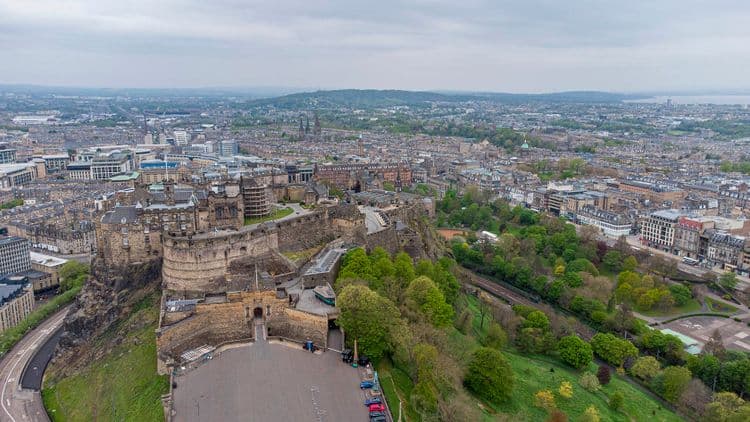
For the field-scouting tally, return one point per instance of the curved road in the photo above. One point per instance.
(17, 404)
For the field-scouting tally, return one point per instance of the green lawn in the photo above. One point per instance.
(717, 306)
(691, 306)
(533, 373)
(120, 386)
(279, 213)
(396, 385)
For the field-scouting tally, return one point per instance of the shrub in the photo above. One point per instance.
(589, 382)
(616, 401)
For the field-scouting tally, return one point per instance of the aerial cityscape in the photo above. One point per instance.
(341, 212)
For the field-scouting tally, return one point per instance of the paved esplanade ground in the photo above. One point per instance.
(270, 382)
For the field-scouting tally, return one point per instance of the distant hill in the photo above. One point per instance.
(365, 98)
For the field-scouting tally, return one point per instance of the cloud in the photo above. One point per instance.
(535, 45)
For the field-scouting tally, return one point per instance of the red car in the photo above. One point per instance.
(377, 407)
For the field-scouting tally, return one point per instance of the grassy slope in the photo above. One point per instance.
(532, 373)
(691, 306)
(122, 386)
(280, 213)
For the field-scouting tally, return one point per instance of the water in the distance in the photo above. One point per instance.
(698, 99)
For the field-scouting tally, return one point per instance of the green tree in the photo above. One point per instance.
(489, 376)
(629, 263)
(613, 349)
(728, 280)
(575, 351)
(680, 293)
(674, 381)
(368, 318)
(356, 265)
(646, 368)
(496, 337)
(404, 268)
(613, 260)
(423, 295)
(727, 407)
(73, 274)
(537, 319)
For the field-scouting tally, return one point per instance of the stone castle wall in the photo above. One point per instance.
(193, 263)
(301, 326)
(210, 324)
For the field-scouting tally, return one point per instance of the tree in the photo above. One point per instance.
(613, 349)
(367, 317)
(603, 375)
(727, 407)
(566, 390)
(575, 351)
(715, 345)
(591, 415)
(489, 376)
(645, 368)
(680, 293)
(728, 280)
(496, 338)
(613, 260)
(356, 264)
(544, 399)
(424, 296)
(463, 322)
(674, 381)
(629, 264)
(589, 382)
(616, 401)
(537, 319)
(73, 274)
(696, 397)
(404, 268)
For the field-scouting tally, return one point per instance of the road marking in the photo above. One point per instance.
(10, 378)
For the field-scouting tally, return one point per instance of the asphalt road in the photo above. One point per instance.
(17, 404)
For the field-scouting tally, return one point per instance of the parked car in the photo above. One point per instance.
(366, 384)
(377, 407)
(377, 417)
(363, 361)
(373, 400)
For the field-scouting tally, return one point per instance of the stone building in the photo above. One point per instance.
(350, 176)
(134, 232)
(16, 303)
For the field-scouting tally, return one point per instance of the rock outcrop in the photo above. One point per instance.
(108, 296)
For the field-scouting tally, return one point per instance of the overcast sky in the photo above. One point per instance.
(492, 45)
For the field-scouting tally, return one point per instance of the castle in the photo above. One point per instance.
(219, 277)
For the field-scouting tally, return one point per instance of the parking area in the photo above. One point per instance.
(270, 382)
(735, 335)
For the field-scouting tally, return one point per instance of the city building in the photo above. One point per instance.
(611, 224)
(657, 231)
(48, 264)
(14, 255)
(17, 174)
(103, 168)
(16, 303)
(7, 154)
(229, 148)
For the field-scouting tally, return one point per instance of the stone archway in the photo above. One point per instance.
(258, 312)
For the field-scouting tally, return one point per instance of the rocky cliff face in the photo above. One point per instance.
(108, 295)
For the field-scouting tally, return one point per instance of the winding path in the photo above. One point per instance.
(16, 403)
